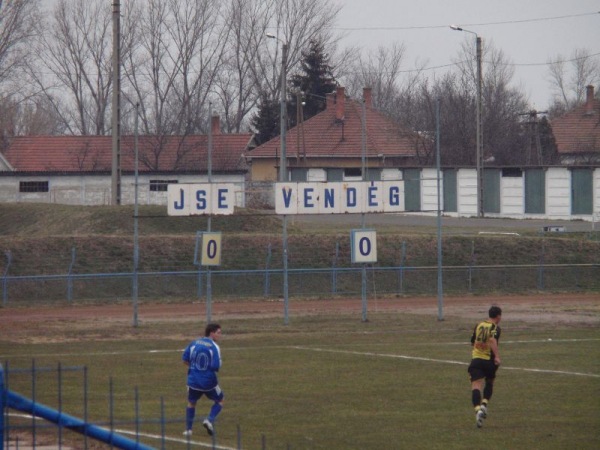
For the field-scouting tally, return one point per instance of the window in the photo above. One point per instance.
(353, 172)
(510, 172)
(161, 185)
(33, 186)
(298, 174)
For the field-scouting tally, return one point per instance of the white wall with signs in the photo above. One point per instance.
(201, 199)
(339, 197)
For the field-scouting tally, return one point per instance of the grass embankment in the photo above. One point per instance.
(55, 239)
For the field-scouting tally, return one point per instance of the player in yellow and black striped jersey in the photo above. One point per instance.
(485, 362)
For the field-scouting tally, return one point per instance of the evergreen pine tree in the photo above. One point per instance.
(266, 120)
(314, 81)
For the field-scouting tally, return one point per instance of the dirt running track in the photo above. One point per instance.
(581, 309)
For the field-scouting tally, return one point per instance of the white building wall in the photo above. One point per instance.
(429, 201)
(512, 196)
(558, 193)
(466, 192)
(596, 183)
(316, 175)
(96, 190)
(391, 174)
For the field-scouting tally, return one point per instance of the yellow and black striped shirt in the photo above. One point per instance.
(480, 339)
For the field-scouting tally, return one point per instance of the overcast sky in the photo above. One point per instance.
(529, 32)
(522, 29)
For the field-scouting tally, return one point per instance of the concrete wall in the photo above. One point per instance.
(96, 189)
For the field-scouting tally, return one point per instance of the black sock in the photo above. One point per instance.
(488, 390)
(476, 397)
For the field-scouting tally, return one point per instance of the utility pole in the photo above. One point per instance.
(479, 132)
(116, 105)
(478, 120)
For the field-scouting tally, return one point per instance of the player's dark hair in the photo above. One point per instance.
(494, 312)
(211, 328)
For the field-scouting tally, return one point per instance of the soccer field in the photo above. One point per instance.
(327, 380)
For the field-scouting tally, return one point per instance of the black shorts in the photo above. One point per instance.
(482, 368)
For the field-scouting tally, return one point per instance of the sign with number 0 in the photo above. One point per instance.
(363, 246)
(211, 249)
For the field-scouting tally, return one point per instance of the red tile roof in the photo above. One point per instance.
(94, 153)
(578, 131)
(326, 136)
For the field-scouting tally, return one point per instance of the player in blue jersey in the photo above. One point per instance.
(203, 358)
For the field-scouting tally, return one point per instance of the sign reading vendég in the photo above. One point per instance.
(339, 197)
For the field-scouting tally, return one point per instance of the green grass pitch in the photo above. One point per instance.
(329, 382)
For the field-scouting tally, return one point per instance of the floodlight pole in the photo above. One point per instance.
(478, 119)
(283, 170)
(440, 286)
(136, 247)
(116, 106)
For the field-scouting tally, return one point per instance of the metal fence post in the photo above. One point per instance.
(2, 403)
(5, 277)
(401, 267)
(472, 262)
(541, 268)
(334, 268)
(70, 277)
(197, 263)
(267, 286)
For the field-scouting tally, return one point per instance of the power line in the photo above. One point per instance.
(443, 66)
(430, 27)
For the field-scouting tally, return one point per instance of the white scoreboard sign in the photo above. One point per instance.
(211, 249)
(339, 197)
(363, 246)
(200, 199)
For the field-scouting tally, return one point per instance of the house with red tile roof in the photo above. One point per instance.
(577, 133)
(333, 146)
(330, 146)
(77, 169)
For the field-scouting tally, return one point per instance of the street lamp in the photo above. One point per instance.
(479, 140)
(283, 111)
(283, 174)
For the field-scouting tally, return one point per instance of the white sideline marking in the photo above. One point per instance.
(146, 435)
(129, 352)
(445, 361)
(178, 440)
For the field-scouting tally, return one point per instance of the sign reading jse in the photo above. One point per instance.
(339, 197)
(200, 199)
(363, 246)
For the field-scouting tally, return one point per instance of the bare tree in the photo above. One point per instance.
(294, 22)
(569, 78)
(19, 21)
(19, 25)
(177, 51)
(380, 71)
(29, 116)
(75, 65)
(236, 85)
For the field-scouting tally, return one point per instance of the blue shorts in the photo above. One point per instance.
(215, 394)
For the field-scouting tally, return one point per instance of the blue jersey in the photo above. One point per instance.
(204, 358)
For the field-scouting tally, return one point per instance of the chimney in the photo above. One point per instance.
(368, 97)
(215, 125)
(340, 103)
(589, 99)
(330, 100)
